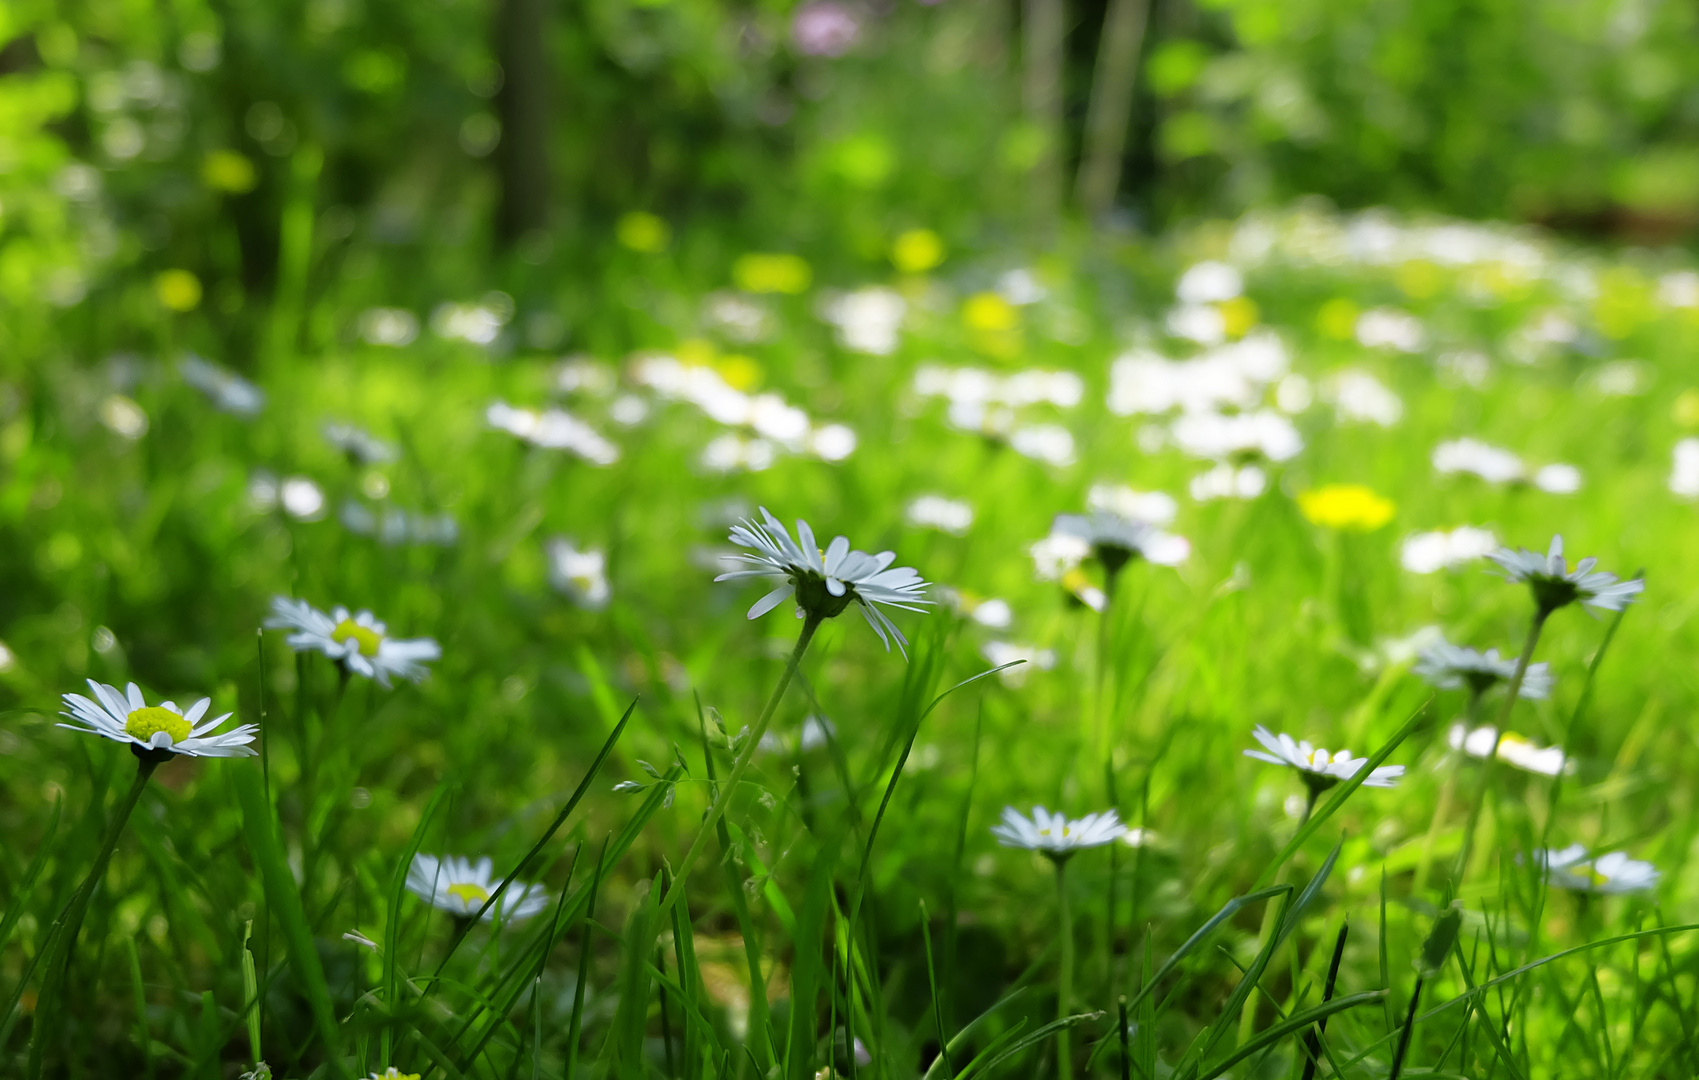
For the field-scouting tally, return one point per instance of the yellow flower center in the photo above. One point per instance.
(364, 636)
(468, 893)
(1594, 877)
(146, 722)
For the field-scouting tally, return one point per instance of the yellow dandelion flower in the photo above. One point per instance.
(178, 290)
(772, 273)
(739, 371)
(643, 232)
(1239, 316)
(989, 313)
(917, 251)
(1346, 506)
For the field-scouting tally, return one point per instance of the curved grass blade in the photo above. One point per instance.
(1292, 1024)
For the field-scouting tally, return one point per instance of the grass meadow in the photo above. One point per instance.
(1291, 414)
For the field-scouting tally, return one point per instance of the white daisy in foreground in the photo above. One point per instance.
(825, 582)
(1571, 868)
(1053, 834)
(357, 641)
(461, 887)
(1513, 749)
(1555, 585)
(1319, 769)
(1449, 667)
(161, 729)
(582, 576)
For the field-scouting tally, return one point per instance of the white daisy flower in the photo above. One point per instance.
(1684, 471)
(1555, 585)
(1512, 749)
(1150, 507)
(1571, 868)
(1427, 552)
(460, 887)
(228, 391)
(1053, 834)
(825, 582)
(999, 653)
(581, 575)
(360, 445)
(393, 1073)
(358, 641)
(552, 429)
(161, 729)
(1116, 539)
(947, 515)
(1318, 768)
(1240, 438)
(1449, 667)
(1558, 479)
(1493, 464)
(1227, 482)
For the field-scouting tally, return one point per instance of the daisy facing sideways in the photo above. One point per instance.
(155, 730)
(1319, 769)
(1572, 868)
(461, 887)
(825, 581)
(1053, 835)
(359, 642)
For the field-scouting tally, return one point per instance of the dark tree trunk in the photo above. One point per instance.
(522, 104)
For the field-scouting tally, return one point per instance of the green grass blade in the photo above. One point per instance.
(284, 899)
(1294, 1023)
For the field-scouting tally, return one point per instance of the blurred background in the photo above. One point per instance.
(281, 152)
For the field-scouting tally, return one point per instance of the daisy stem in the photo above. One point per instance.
(810, 624)
(1270, 919)
(1511, 691)
(1447, 792)
(1064, 977)
(63, 934)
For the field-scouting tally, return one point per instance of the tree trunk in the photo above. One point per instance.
(522, 104)
(1041, 99)
(1111, 104)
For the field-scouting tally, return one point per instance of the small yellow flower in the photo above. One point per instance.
(989, 313)
(739, 371)
(226, 170)
(1686, 411)
(643, 232)
(178, 290)
(772, 273)
(917, 251)
(1346, 506)
(1239, 316)
(1337, 319)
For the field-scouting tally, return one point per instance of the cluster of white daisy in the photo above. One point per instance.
(1497, 465)
(391, 525)
(552, 429)
(579, 574)
(776, 426)
(984, 403)
(868, 320)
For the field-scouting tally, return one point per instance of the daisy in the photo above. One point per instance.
(1555, 585)
(228, 391)
(1115, 539)
(1427, 552)
(1512, 749)
(1571, 868)
(1053, 835)
(1449, 667)
(580, 575)
(947, 515)
(156, 730)
(824, 582)
(361, 446)
(1319, 769)
(393, 1073)
(462, 887)
(359, 642)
